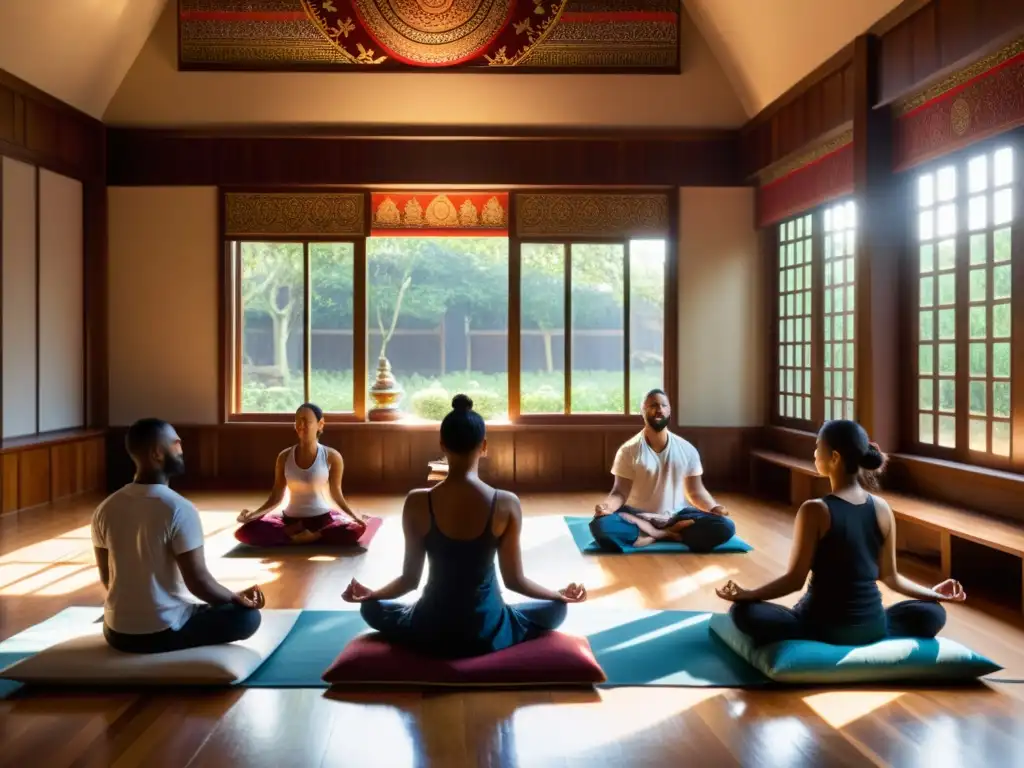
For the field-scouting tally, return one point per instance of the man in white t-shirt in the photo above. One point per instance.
(149, 551)
(658, 494)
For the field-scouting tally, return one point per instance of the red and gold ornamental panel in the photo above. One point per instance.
(806, 180)
(439, 213)
(560, 35)
(984, 99)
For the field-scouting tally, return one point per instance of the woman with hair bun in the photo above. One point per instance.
(459, 525)
(847, 542)
(317, 510)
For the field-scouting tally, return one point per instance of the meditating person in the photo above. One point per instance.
(149, 551)
(311, 473)
(459, 525)
(658, 493)
(847, 541)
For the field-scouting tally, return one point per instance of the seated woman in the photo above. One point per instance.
(459, 525)
(847, 541)
(310, 472)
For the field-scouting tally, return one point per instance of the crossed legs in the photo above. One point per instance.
(699, 531)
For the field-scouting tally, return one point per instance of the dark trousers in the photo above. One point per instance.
(208, 625)
(613, 533)
(394, 620)
(770, 623)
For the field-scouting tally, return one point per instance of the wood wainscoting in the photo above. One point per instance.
(45, 468)
(393, 457)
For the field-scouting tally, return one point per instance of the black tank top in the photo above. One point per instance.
(842, 599)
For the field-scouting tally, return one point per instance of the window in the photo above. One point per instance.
(965, 219)
(816, 317)
(438, 311)
(795, 331)
(838, 303)
(611, 297)
(313, 320)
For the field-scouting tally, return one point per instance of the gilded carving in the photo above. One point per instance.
(545, 214)
(414, 213)
(494, 214)
(804, 157)
(441, 213)
(388, 214)
(468, 216)
(965, 75)
(960, 117)
(255, 214)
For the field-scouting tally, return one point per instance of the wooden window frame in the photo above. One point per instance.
(669, 353)
(817, 314)
(233, 345)
(232, 329)
(962, 453)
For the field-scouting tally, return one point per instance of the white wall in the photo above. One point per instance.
(19, 298)
(162, 321)
(720, 318)
(61, 303)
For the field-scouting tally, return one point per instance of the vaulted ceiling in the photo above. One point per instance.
(82, 50)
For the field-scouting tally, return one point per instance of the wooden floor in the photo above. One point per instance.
(46, 564)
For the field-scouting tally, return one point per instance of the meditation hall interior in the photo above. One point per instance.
(401, 383)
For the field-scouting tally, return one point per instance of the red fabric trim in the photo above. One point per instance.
(825, 179)
(243, 15)
(617, 16)
(438, 232)
(987, 105)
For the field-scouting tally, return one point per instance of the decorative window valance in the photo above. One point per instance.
(592, 214)
(294, 214)
(806, 181)
(981, 100)
(439, 213)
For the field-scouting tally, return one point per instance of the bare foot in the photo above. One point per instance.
(644, 541)
(674, 532)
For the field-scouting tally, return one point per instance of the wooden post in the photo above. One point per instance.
(880, 249)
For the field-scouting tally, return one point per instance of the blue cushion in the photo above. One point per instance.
(902, 659)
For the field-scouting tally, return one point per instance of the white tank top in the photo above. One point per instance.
(307, 487)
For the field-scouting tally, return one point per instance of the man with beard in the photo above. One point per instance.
(656, 474)
(149, 551)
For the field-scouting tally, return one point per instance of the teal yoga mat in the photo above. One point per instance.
(635, 648)
(579, 527)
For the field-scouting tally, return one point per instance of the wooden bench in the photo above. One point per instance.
(804, 480)
(947, 521)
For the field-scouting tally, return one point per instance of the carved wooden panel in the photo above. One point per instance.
(586, 214)
(298, 214)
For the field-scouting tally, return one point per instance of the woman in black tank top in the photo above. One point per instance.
(847, 542)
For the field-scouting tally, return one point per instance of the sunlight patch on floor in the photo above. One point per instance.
(617, 715)
(711, 574)
(840, 708)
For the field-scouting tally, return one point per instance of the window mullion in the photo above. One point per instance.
(625, 327)
(962, 304)
(567, 333)
(818, 318)
(1017, 309)
(307, 334)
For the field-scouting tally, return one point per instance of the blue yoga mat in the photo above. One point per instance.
(635, 648)
(62, 626)
(579, 527)
(309, 649)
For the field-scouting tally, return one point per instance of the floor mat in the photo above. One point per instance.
(579, 527)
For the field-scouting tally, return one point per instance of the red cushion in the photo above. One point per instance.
(373, 525)
(553, 659)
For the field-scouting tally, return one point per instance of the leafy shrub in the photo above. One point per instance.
(432, 403)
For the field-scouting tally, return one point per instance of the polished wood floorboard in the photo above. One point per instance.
(46, 564)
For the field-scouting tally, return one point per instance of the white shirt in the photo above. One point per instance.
(657, 477)
(143, 528)
(307, 487)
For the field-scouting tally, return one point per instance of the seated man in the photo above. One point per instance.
(149, 551)
(656, 472)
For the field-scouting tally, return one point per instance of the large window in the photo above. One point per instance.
(815, 317)
(611, 297)
(316, 320)
(966, 212)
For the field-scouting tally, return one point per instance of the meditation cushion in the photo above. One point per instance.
(86, 659)
(895, 659)
(552, 659)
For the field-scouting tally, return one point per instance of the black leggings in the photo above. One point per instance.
(208, 625)
(770, 623)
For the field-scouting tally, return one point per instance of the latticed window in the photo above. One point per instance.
(795, 305)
